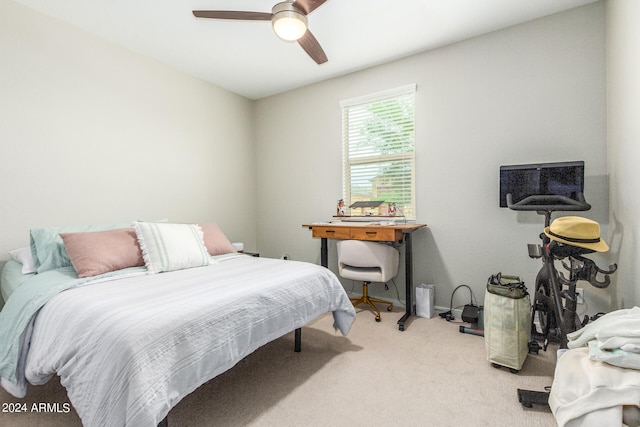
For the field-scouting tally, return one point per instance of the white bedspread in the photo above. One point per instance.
(128, 350)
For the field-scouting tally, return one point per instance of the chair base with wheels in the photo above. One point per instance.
(368, 262)
(366, 299)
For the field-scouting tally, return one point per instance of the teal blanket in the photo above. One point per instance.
(19, 311)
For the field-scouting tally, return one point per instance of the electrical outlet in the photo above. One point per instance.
(580, 295)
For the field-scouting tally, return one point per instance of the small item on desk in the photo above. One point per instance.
(393, 209)
(367, 204)
(238, 246)
(341, 209)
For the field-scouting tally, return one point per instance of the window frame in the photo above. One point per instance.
(408, 156)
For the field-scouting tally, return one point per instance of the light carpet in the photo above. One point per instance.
(428, 375)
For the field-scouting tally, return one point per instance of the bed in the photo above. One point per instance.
(130, 343)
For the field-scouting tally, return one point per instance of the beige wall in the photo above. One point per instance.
(92, 133)
(530, 93)
(623, 139)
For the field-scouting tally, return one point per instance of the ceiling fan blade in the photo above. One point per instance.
(308, 6)
(312, 47)
(233, 14)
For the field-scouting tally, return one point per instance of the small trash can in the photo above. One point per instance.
(507, 318)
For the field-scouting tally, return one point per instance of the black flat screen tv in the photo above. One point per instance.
(541, 179)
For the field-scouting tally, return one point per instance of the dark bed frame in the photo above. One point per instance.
(297, 348)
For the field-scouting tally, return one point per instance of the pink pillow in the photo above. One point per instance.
(97, 252)
(215, 240)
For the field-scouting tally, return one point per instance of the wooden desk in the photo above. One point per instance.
(379, 232)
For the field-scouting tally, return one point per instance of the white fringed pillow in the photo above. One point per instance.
(168, 247)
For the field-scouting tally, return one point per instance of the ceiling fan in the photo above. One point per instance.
(289, 21)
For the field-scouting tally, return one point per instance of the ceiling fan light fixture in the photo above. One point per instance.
(288, 22)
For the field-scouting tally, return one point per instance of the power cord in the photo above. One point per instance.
(448, 315)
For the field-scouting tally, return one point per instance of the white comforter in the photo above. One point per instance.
(128, 350)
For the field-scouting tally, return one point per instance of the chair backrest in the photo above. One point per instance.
(359, 254)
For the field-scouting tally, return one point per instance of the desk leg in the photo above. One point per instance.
(324, 252)
(408, 265)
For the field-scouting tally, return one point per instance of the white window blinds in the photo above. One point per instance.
(378, 141)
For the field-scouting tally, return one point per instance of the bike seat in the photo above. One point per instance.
(561, 250)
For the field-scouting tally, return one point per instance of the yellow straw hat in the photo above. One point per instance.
(577, 231)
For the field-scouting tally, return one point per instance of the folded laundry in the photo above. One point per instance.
(613, 338)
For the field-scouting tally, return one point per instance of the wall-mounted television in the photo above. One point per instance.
(565, 179)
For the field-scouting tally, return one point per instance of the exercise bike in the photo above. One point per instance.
(554, 305)
(555, 300)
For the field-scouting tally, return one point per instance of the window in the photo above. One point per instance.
(378, 141)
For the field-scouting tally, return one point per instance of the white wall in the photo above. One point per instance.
(93, 133)
(623, 138)
(530, 93)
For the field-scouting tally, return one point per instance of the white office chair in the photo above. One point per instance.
(368, 262)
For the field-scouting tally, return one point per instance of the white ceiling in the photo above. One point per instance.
(246, 57)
